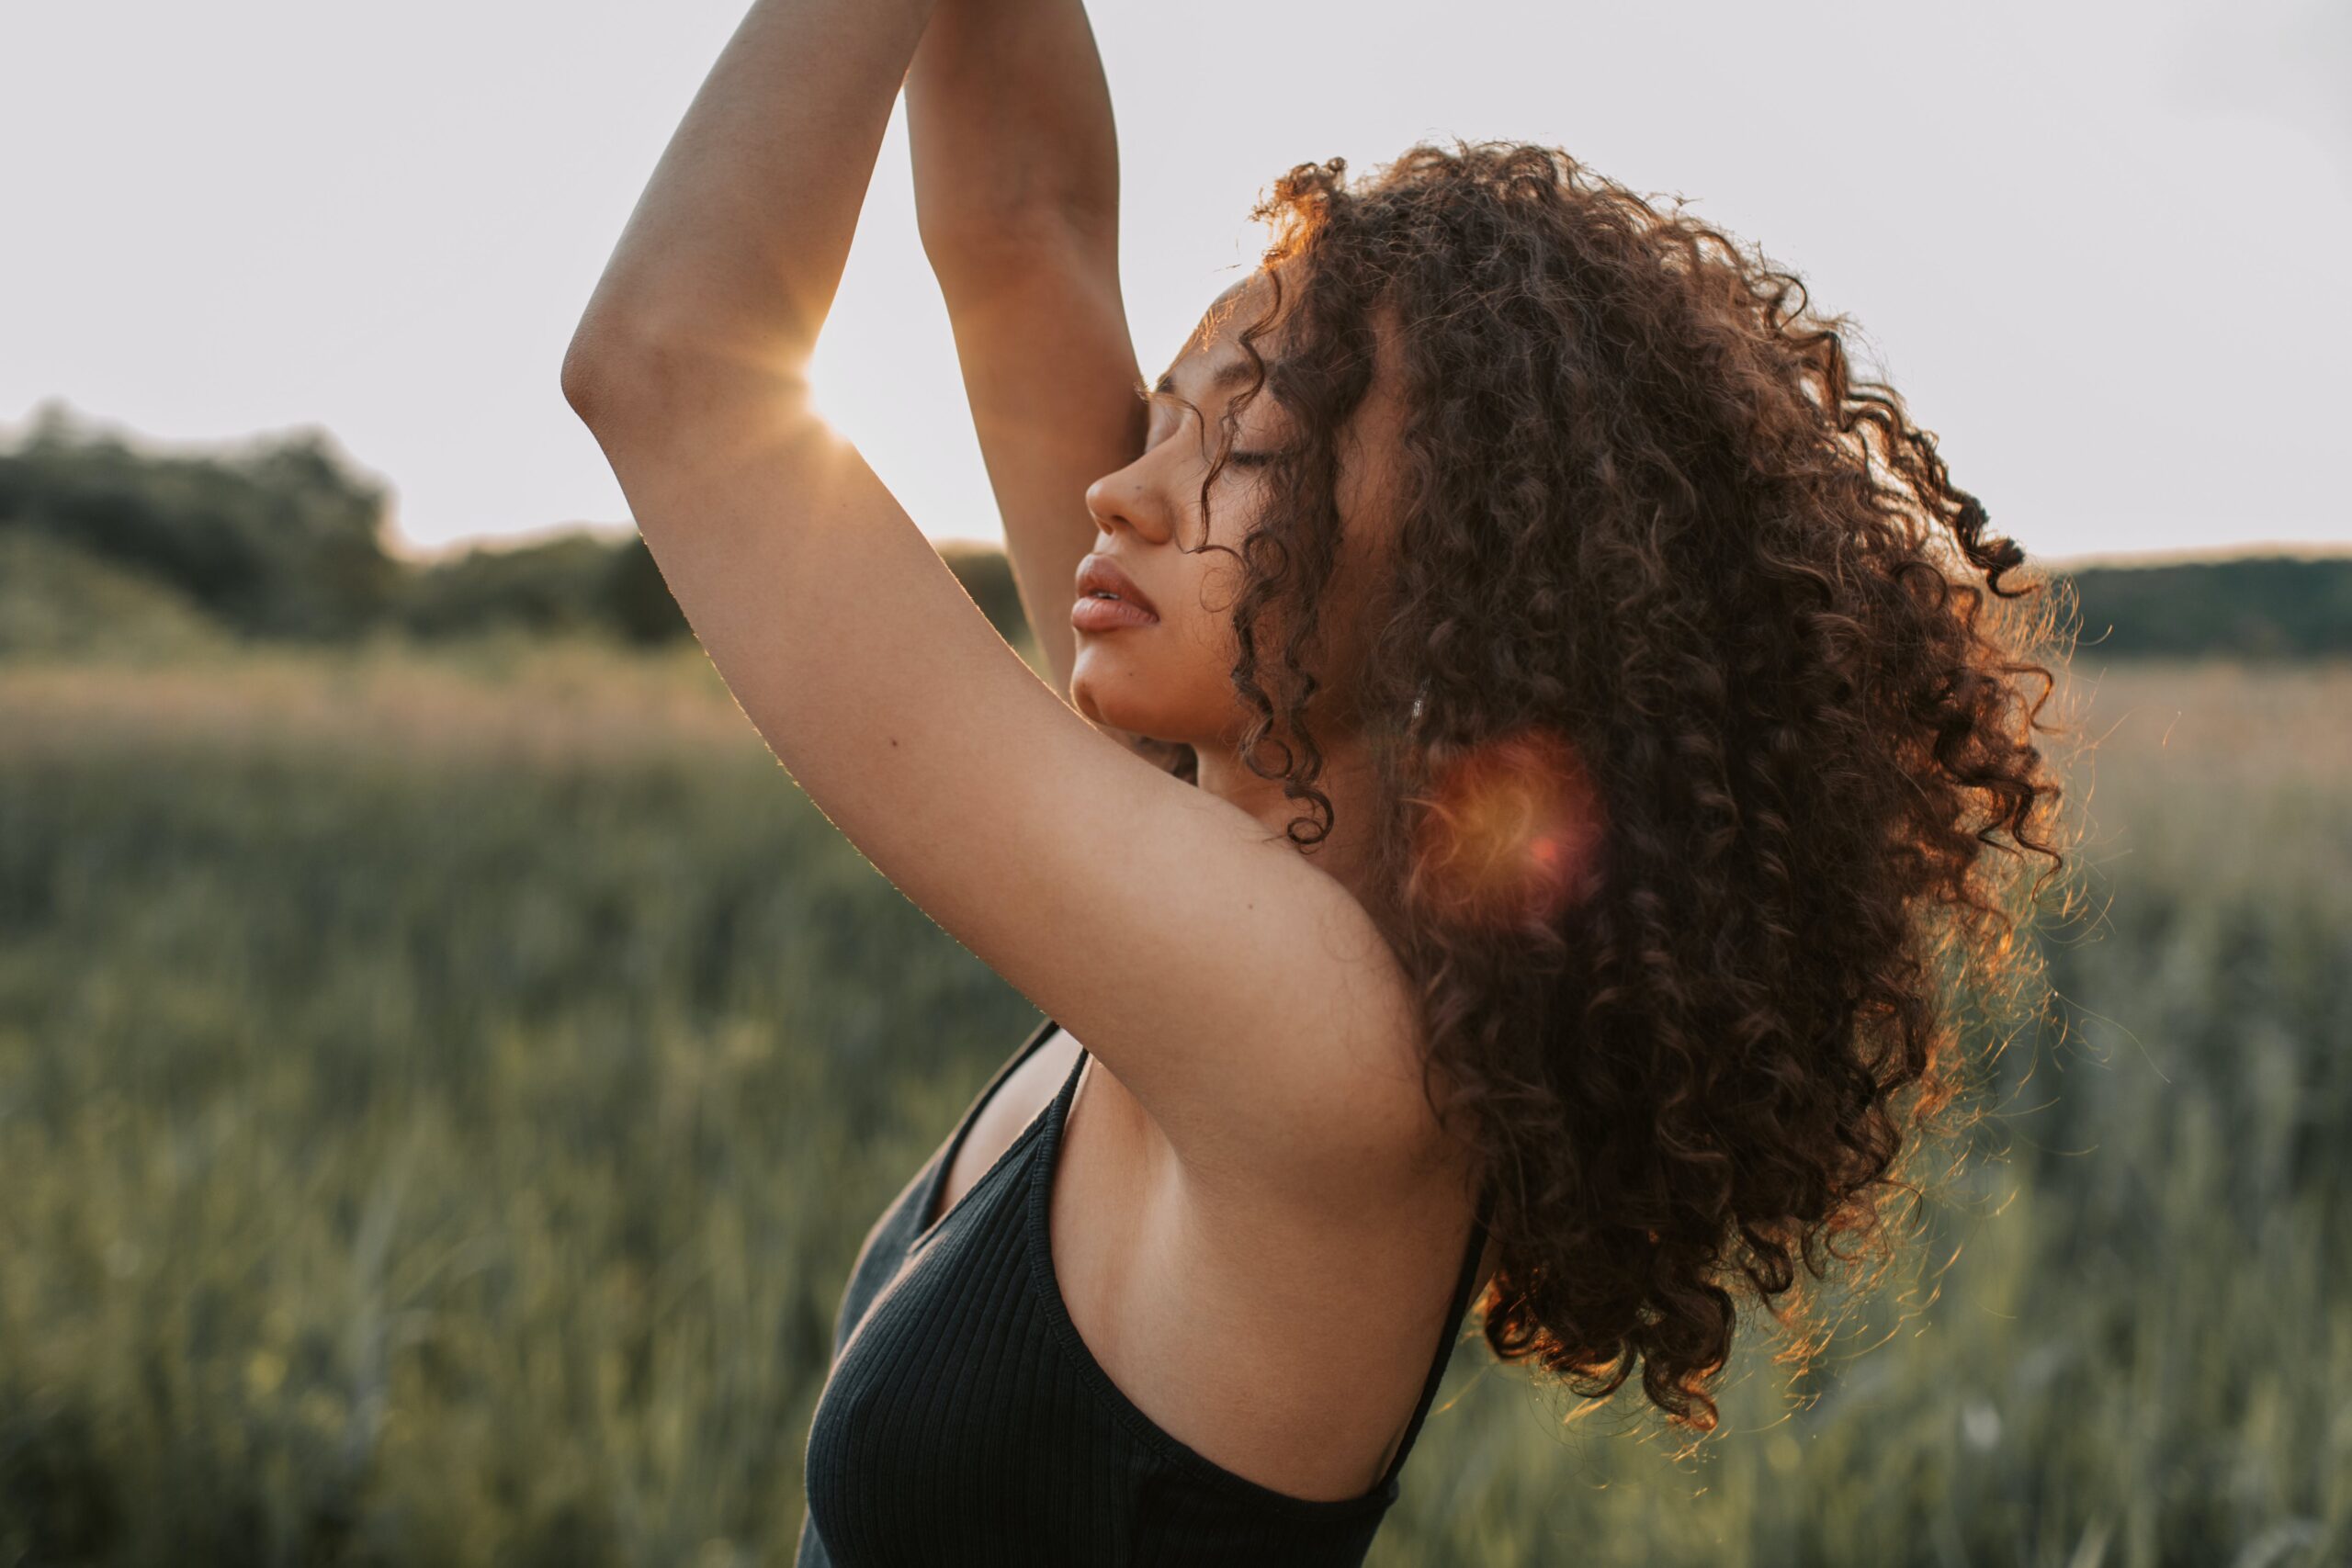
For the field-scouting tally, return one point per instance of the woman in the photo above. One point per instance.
(1532, 735)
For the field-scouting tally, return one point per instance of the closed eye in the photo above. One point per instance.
(1151, 397)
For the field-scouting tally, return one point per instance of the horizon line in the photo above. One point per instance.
(2175, 555)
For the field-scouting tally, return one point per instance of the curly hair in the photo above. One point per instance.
(1705, 766)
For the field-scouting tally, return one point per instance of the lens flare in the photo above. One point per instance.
(1512, 832)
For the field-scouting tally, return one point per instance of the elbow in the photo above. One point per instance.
(604, 366)
(627, 362)
(619, 373)
(582, 381)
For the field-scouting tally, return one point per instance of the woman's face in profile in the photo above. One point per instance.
(1170, 678)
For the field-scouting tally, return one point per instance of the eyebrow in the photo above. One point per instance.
(1232, 373)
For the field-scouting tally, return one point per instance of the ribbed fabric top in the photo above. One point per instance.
(965, 1421)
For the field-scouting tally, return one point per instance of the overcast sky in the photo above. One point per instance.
(2100, 247)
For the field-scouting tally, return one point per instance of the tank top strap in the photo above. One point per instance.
(1462, 1285)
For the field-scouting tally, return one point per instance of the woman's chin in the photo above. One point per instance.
(1114, 717)
(1103, 703)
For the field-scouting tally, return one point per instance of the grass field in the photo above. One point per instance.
(440, 1099)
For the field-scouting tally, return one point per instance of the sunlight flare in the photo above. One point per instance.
(1513, 830)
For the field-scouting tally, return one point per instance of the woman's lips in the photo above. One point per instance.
(1100, 575)
(1092, 614)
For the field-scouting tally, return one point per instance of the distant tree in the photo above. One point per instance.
(281, 538)
(637, 599)
(2252, 607)
(555, 585)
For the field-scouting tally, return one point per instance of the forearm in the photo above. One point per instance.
(1008, 123)
(735, 250)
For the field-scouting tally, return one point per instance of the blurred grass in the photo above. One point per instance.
(440, 1097)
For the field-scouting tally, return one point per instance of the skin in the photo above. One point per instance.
(1172, 680)
(1248, 1162)
(1211, 1320)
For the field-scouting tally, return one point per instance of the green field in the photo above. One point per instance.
(440, 1099)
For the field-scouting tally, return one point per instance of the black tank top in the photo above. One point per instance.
(965, 1422)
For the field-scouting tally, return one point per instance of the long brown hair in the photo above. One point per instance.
(1700, 698)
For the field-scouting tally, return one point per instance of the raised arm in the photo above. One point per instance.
(1017, 174)
(1238, 992)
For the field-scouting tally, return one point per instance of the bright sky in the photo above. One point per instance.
(2097, 246)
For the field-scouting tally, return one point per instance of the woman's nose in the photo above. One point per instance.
(1123, 495)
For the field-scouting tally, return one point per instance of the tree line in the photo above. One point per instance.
(282, 539)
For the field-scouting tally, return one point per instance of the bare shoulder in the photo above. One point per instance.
(1352, 1139)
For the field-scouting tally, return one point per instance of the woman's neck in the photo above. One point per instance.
(1347, 779)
